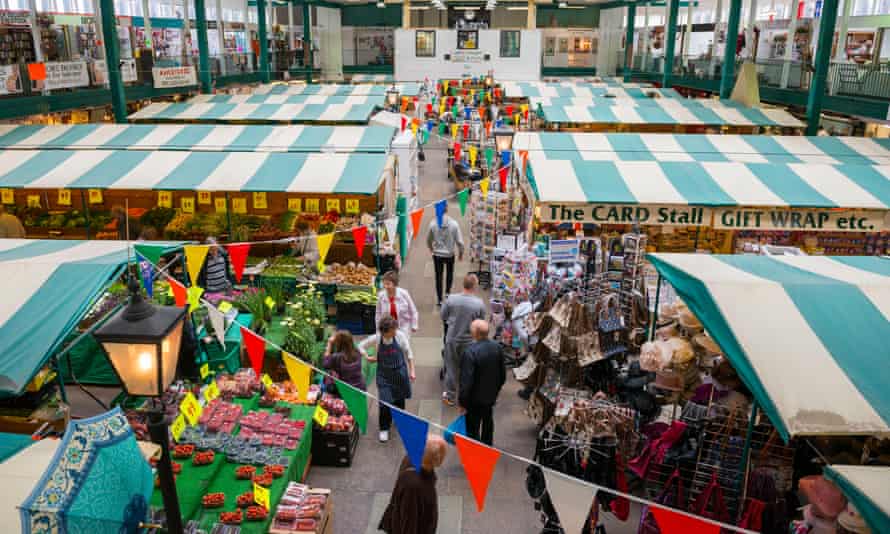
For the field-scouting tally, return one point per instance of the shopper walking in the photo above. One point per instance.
(442, 241)
(458, 312)
(395, 370)
(397, 303)
(414, 505)
(482, 375)
(343, 360)
(214, 276)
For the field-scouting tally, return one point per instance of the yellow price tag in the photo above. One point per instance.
(190, 408)
(7, 196)
(204, 197)
(95, 196)
(261, 495)
(64, 197)
(224, 306)
(165, 199)
(295, 204)
(187, 204)
(333, 204)
(204, 370)
(177, 427)
(219, 205)
(211, 391)
(33, 201)
(352, 206)
(312, 205)
(320, 416)
(270, 303)
(266, 380)
(239, 205)
(259, 200)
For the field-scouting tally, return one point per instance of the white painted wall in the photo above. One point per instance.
(525, 67)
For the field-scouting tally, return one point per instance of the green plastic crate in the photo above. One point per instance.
(221, 360)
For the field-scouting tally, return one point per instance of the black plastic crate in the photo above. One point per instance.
(334, 449)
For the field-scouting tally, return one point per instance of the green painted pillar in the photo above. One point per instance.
(308, 60)
(265, 75)
(670, 42)
(727, 78)
(112, 59)
(820, 74)
(629, 41)
(204, 76)
(402, 228)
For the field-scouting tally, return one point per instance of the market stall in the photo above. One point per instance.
(405, 89)
(866, 488)
(256, 113)
(371, 78)
(520, 90)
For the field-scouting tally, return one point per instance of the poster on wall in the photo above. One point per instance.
(165, 77)
(128, 71)
(10, 80)
(64, 75)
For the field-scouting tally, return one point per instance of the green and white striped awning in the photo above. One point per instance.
(331, 89)
(585, 90)
(807, 334)
(703, 148)
(199, 137)
(260, 113)
(279, 99)
(614, 81)
(295, 172)
(868, 488)
(371, 78)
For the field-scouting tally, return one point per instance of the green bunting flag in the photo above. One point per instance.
(356, 402)
(150, 252)
(441, 128)
(462, 196)
(454, 110)
(489, 156)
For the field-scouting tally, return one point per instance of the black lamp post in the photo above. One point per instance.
(142, 342)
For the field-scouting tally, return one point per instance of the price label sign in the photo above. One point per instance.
(177, 427)
(165, 199)
(204, 197)
(224, 306)
(7, 196)
(211, 391)
(239, 205)
(333, 204)
(295, 204)
(312, 205)
(352, 206)
(259, 201)
(204, 370)
(64, 197)
(190, 408)
(261, 495)
(266, 380)
(33, 201)
(320, 416)
(187, 204)
(95, 196)
(270, 303)
(219, 205)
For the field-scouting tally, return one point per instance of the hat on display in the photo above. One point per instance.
(725, 375)
(681, 351)
(826, 499)
(707, 344)
(655, 356)
(669, 381)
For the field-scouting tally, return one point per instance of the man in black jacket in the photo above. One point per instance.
(482, 374)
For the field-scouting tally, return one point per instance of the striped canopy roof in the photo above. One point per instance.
(282, 113)
(868, 488)
(183, 170)
(695, 147)
(666, 111)
(615, 81)
(807, 334)
(582, 90)
(271, 98)
(199, 137)
(371, 78)
(405, 89)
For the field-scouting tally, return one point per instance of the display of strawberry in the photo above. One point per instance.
(213, 500)
(264, 480)
(231, 518)
(181, 452)
(244, 500)
(277, 471)
(203, 458)
(256, 513)
(245, 472)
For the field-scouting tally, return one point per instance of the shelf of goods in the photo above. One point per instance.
(489, 217)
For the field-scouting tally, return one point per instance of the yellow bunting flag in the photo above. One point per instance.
(194, 260)
(523, 108)
(441, 107)
(299, 374)
(483, 185)
(516, 120)
(194, 297)
(472, 151)
(414, 129)
(324, 245)
(454, 131)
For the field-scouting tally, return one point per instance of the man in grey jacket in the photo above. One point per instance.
(458, 313)
(442, 240)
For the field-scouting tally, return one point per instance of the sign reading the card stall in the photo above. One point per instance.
(626, 214)
(799, 220)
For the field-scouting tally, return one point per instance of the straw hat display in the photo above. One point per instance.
(655, 356)
(706, 344)
(681, 351)
(689, 322)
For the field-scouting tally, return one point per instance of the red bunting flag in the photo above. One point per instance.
(416, 217)
(525, 113)
(479, 462)
(671, 522)
(256, 349)
(429, 107)
(509, 111)
(359, 234)
(404, 122)
(503, 176)
(238, 258)
(456, 151)
(179, 292)
(466, 130)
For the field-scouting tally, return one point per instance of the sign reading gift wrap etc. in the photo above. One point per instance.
(732, 218)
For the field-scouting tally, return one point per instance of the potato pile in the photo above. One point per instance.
(350, 274)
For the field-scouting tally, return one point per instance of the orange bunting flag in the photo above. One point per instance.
(483, 186)
(671, 522)
(404, 107)
(256, 349)
(488, 128)
(179, 293)
(416, 217)
(359, 234)
(479, 462)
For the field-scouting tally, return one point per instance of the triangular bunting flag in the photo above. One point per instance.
(218, 321)
(489, 156)
(472, 151)
(146, 272)
(238, 258)
(404, 122)
(359, 234)
(462, 200)
(256, 349)
(299, 374)
(324, 245)
(392, 229)
(571, 499)
(502, 172)
(454, 131)
(416, 217)
(194, 297)
(179, 295)
(479, 462)
(456, 151)
(356, 402)
(440, 211)
(483, 186)
(194, 260)
(671, 522)
(150, 252)
(413, 432)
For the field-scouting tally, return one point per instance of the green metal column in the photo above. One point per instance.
(823, 56)
(308, 60)
(402, 228)
(203, 49)
(265, 75)
(727, 78)
(670, 42)
(112, 59)
(629, 40)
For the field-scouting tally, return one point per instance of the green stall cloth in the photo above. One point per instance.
(88, 364)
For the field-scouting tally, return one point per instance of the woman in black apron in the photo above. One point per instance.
(395, 370)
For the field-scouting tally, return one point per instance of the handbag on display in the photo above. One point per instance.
(671, 496)
(710, 503)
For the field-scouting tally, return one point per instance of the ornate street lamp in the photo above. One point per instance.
(503, 139)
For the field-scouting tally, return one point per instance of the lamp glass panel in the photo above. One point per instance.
(136, 364)
(170, 353)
